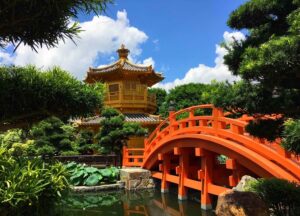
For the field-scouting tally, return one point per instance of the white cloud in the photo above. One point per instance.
(101, 35)
(6, 58)
(205, 74)
(149, 61)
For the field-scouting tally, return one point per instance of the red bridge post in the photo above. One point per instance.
(207, 166)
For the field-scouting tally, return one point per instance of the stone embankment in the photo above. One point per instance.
(130, 179)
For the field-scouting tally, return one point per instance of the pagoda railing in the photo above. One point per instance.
(132, 99)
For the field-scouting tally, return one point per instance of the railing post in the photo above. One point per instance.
(215, 115)
(172, 119)
(192, 123)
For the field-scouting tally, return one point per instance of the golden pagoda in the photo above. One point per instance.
(127, 90)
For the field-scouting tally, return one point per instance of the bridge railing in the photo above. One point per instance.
(132, 157)
(216, 124)
(211, 121)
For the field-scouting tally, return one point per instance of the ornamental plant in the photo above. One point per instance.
(83, 175)
(114, 131)
(25, 182)
(282, 196)
(291, 136)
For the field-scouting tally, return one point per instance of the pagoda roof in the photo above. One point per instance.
(146, 73)
(129, 117)
(124, 64)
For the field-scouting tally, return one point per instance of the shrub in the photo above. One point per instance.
(25, 182)
(52, 136)
(282, 196)
(291, 136)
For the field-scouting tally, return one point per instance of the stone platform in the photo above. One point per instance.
(136, 178)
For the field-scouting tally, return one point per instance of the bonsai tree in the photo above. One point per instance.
(114, 131)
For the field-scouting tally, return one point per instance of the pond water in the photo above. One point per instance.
(119, 203)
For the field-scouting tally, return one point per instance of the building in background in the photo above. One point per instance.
(127, 91)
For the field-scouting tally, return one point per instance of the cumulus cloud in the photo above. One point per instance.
(149, 61)
(205, 74)
(101, 36)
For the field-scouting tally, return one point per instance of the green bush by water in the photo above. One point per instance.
(23, 181)
(82, 175)
(282, 196)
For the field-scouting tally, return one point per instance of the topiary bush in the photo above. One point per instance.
(282, 196)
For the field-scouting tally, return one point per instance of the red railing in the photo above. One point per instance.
(132, 157)
(216, 124)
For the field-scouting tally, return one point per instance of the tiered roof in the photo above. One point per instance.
(123, 69)
(129, 117)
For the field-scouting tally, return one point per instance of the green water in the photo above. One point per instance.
(117, 203)
(150, 203)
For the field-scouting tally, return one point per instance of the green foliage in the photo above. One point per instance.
(114, 131)
(37, 23)
(28, 95)
(80, 174)
(24, 182)
(282, 196)
(291, 136)
(52, 136)
(160, 96)
(86, 201)
(85, 142)
(15, 143)
(267, 61)
(185, 96)
(265, 128)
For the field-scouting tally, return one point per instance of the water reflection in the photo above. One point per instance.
(146, 202)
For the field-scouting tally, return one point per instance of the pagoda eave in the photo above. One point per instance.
(150, 78)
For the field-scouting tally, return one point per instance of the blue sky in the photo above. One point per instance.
(186, 31)
(179, 37)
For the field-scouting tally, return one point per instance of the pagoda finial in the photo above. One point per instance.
(123, 52)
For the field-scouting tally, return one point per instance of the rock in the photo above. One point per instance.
(244, 183)
(238, 203)
(136, 178)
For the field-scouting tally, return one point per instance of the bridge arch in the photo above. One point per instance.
(185, 141)
(248, 158)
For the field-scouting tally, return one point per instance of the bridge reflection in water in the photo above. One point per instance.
(165, 205)
(148, 203)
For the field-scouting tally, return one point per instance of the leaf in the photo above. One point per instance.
(76, 181)
(91, 169)
(92, 180)
(71, 165)
(106, 172)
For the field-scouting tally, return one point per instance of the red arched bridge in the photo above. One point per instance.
(201, 148)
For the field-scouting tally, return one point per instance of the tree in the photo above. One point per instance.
(114, 131)
(160, 96)
(184, 96)
(85, 142)
(267, 61)
(43, 22)
(52, 136)
(28, 95)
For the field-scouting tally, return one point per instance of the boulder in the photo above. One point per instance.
(244, 183)
(238, 203)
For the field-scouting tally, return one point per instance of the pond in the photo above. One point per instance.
(119, 203)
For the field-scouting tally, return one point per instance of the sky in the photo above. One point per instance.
(180, 38)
